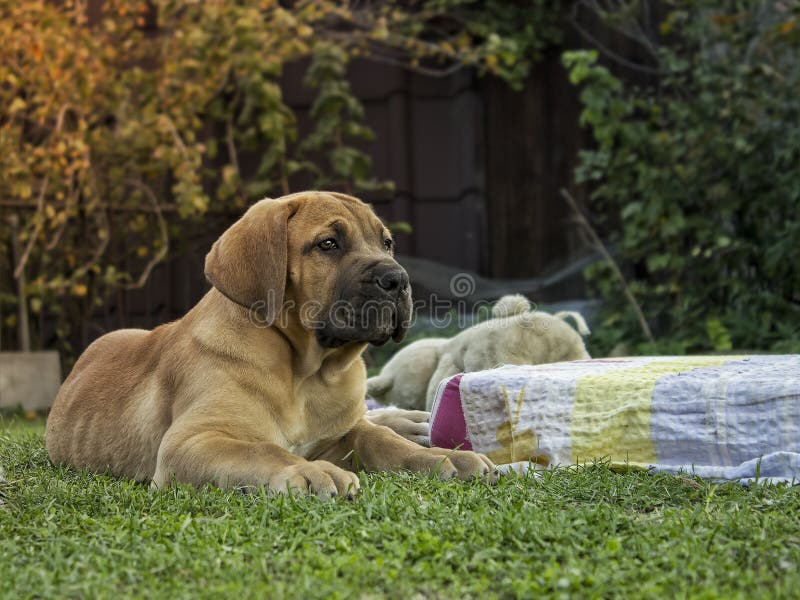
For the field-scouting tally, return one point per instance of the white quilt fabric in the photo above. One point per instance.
(727, 417)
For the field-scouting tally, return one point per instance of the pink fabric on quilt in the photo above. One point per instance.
(448, 427)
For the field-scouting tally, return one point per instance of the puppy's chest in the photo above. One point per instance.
(323, 413)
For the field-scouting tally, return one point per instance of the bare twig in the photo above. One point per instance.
(601, 248)
(99, 251)
(233, 154)
(101, 214)
(397, 43)
(162, 224)
(57, 235)
(37, 227)
(573, 19)
(284, 177)
(60, 117)
(63, 226)
(427, 71)
(631, 28)
(23, 326)
(115, 208)
(175, 135)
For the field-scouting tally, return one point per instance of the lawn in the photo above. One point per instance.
(574, 532)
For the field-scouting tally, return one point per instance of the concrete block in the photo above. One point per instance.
(29, 379)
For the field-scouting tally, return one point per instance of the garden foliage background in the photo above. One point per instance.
(126, 126)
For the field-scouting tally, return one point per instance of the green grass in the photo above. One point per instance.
(579, 532)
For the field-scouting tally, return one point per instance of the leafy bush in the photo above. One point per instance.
(698, 176)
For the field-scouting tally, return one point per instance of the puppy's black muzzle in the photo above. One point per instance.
(375, 308)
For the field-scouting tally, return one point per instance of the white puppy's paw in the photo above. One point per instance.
(411, 424)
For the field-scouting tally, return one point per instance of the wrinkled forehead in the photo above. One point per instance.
(319, 210)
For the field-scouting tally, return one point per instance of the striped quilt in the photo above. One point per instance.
(727, 417)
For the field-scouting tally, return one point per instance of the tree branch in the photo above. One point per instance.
(600, 247)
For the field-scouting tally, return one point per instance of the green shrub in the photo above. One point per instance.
(698, 179)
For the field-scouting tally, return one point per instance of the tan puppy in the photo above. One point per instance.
(262, 382)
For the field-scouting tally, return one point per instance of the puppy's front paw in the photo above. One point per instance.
(453, 463)
(318, 477)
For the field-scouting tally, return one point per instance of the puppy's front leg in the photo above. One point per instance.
(216, 457)
(378, 448)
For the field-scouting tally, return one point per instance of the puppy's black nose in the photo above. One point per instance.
(393, 280)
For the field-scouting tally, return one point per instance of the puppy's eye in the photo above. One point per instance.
(388, 244)
(328, 244)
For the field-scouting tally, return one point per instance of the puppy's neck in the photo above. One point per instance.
(309, 358)
(300, 345)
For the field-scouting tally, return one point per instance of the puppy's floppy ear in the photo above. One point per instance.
(248, 262)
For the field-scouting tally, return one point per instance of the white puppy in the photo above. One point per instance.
(515, 335)
(403, 381)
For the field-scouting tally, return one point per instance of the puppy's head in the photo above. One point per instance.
(322, 257)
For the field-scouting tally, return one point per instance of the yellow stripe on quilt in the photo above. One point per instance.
(611, 412)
